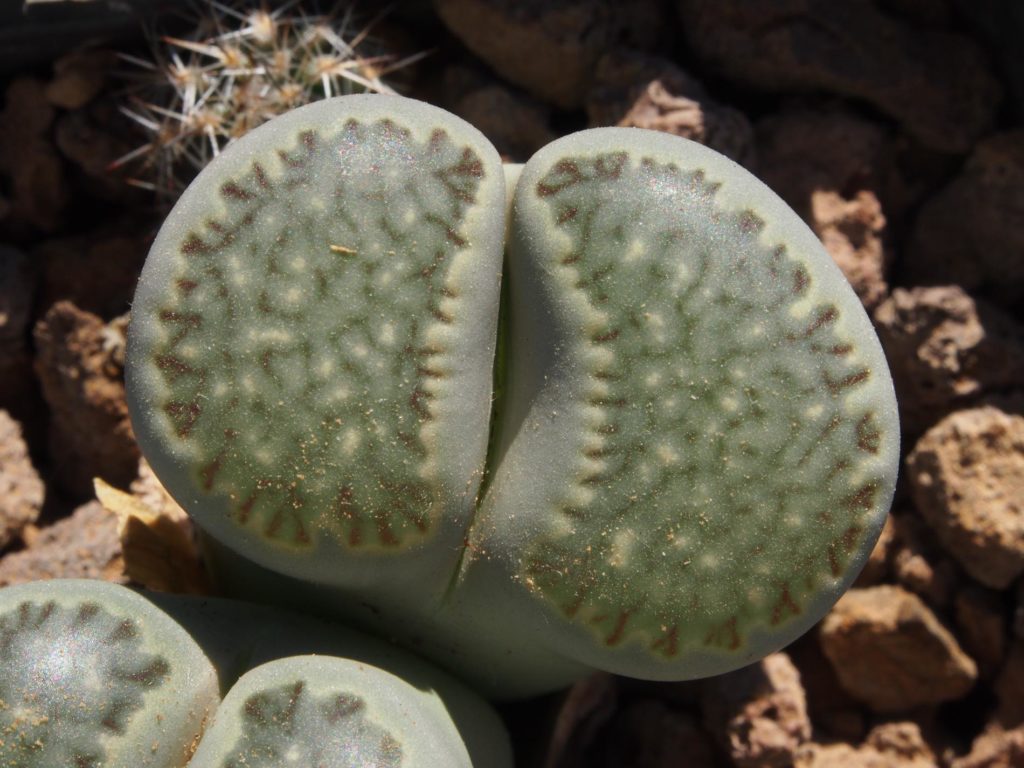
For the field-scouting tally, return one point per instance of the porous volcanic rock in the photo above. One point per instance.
(758, 713)
(967, 479)
(637, 90)
(649, 733)
(981, 626)
(946, 350)
(549, 47)
(890, 745)
(995, 748)
(919, 564)
(79, 362)
(971, 232)
(852, 232)
(17, 290)
(937, 84)
(21, 490)
(30, 167)
(891, 652)
(516, 124)
(82, 546)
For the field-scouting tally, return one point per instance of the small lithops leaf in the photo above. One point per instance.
(312, 339)
(700, 439)
(92, 675)
(329, 713)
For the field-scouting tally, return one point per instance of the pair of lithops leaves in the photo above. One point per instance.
(94, 675)
(614, 409)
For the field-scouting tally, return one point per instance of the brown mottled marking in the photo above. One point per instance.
(194, 244)
(572, 258)
(254, 708)
(126, 630)
(232, 191)
(185, 287)
(345, 706)
(288, 716)
(86, 612)
(209, 471)
(565, 167)
(869, 437)
(668, 643)
(863, 499)
(784, 606)
(567, 214)
(750, 223)
(430, 373)
(149, 674)
(469, 165)
(574, 512)
(619, 630)
(724, 635)
(184, 415)
(801, 280)
(384, 533)
(173, 366)
(610, 166)
(825, 317)
(455, 238)
(308, 139)
(437, 137)
(840, 466)
(245, 508)
(835, 387)
(261, 176)
(441, 316)
(418, 400)
(841, 350)
(611, 335)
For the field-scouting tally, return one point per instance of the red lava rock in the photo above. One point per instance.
(584, 711)
(648, 733)
(548, 47)
(971, 232)
(1009, 687)
(516, 124)
(21, 490)
(936, 84)
(90, 433)
(78, 77)
(981, 626)
(891, 745)
(832, 710)
(635, 90)
(851, 231)
(758, 713)
(918, 563)
(995, 748)
(82, 546)
(28, 162)
(967, 479)
(97, 272)
(946, 351)
(877, 567)
(891, 652)
(17, 290)
(803, 150)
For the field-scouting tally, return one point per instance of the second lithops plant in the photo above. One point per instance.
(665, 454)
(96, 676)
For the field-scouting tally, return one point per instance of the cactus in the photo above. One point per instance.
(693, 439)
(97, 675)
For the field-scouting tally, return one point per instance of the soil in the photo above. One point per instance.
(892, 126)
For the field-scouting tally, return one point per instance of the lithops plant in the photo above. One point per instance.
(95, 675)
(663, 448)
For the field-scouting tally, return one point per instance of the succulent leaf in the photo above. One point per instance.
(695, 439)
